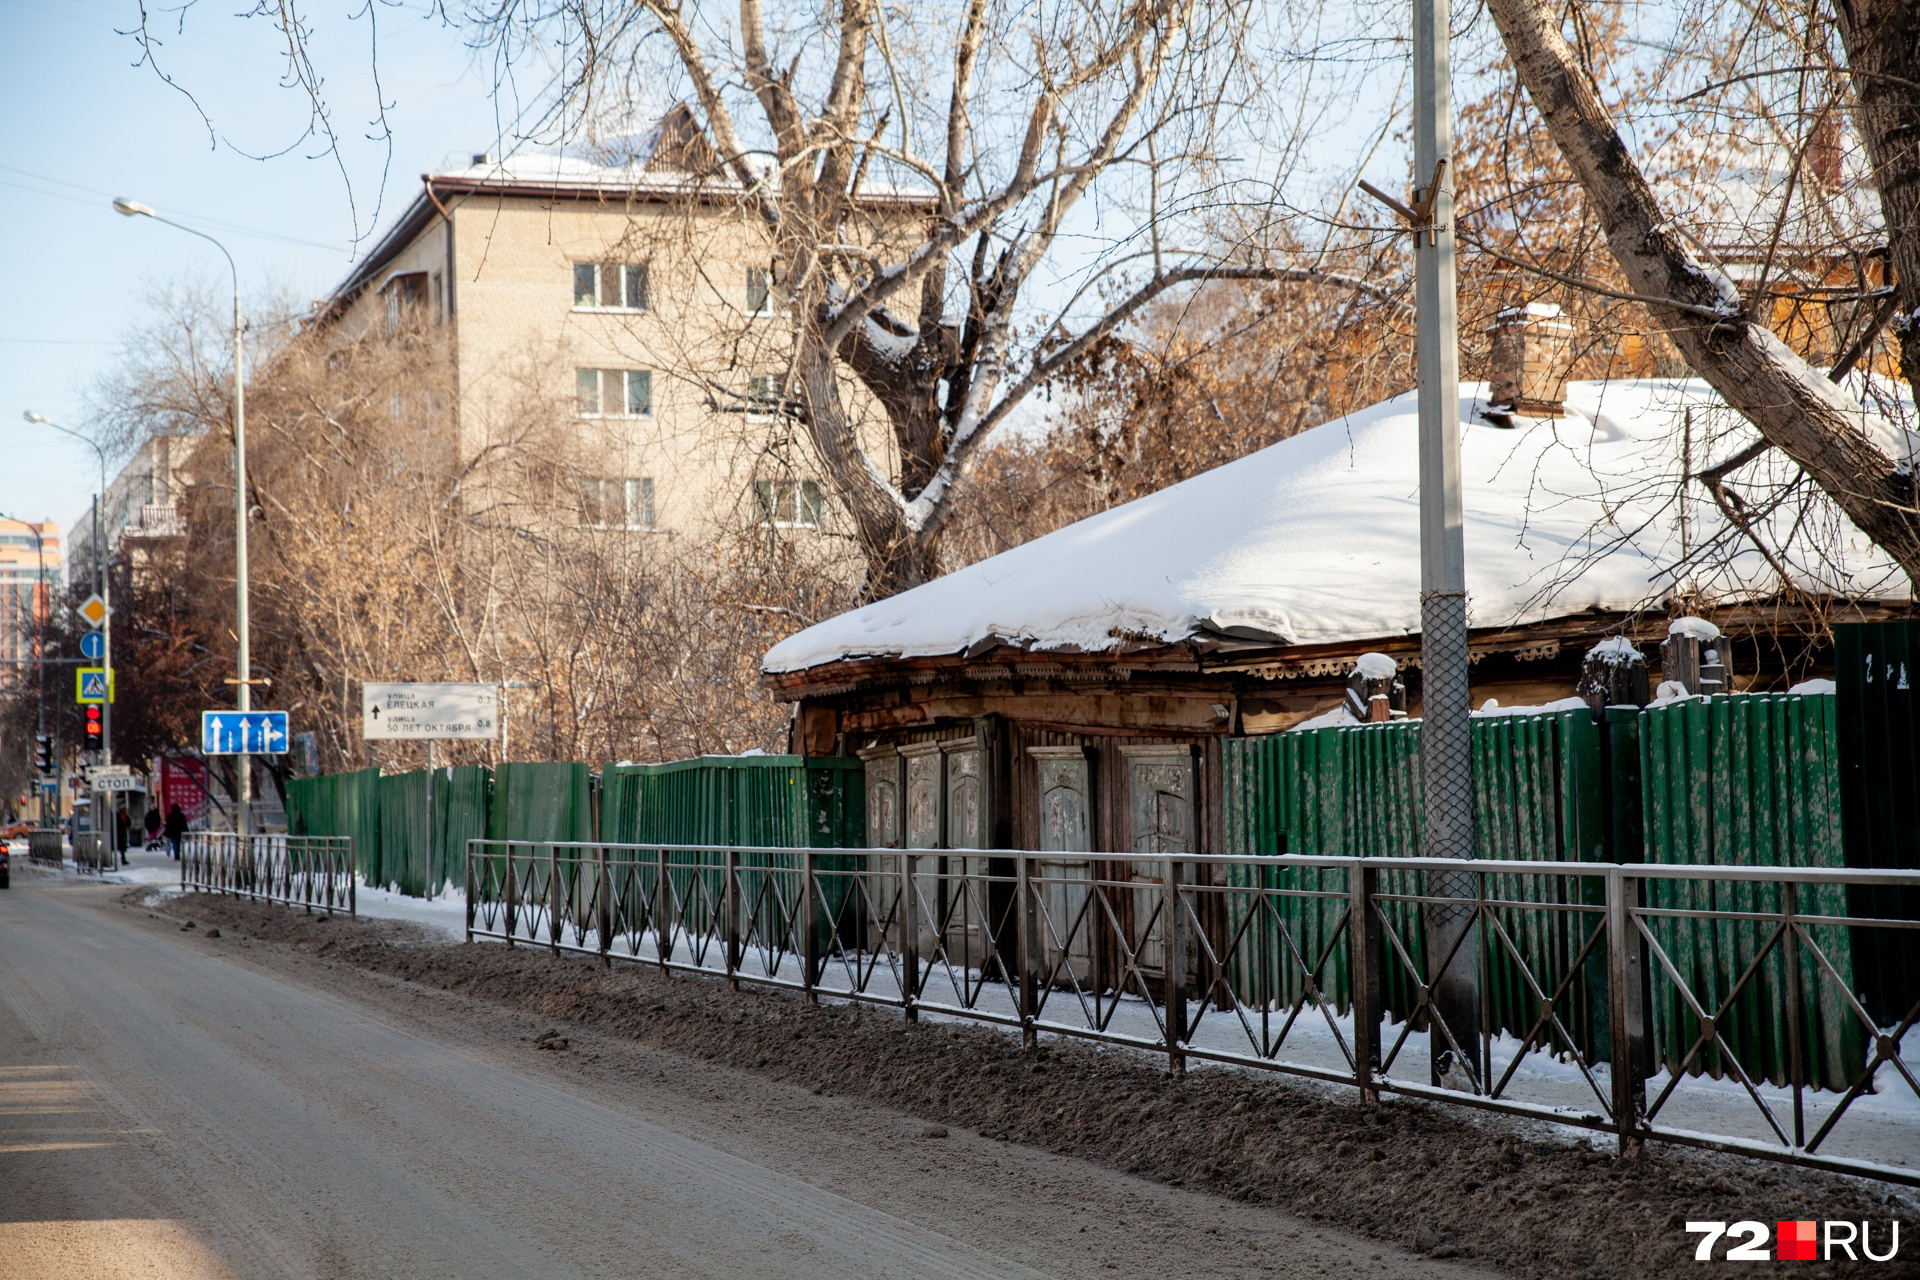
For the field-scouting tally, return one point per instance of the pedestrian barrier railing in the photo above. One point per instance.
(315, 872)
(93, 852)
(44, 846)
(1605, 991)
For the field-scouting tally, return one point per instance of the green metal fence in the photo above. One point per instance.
(1733, 780)
(1747, 780)
(792, 802)
(1356, 792)
(340, 804)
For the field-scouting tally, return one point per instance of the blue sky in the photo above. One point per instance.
(86, 124)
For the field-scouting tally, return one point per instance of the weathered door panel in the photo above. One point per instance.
(1068, 925)
(1160, 820)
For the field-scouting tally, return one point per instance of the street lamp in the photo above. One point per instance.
(101, 587)
(243, 660)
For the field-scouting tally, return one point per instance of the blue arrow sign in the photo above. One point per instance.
(243, 733)
(93, 645)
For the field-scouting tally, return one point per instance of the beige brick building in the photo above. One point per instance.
(640, 300)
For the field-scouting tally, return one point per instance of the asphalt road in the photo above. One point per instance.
(174, 1106)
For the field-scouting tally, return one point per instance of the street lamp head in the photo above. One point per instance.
(131, 208)
(31, 416)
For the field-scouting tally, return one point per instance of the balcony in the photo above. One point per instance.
(157, 520)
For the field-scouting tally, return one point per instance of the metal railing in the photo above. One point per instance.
(92, 851)
(296, 871)
(44, 846)
(1609, 995)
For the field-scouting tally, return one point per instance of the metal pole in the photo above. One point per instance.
(909, 938)
(1446, 749)
(244, 662)
(1173, 957)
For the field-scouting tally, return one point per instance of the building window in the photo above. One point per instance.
(610, 286)
(759, 291)
(406, 298)
(617, 502)
(614, 393)
(763, 395)
(787, 504)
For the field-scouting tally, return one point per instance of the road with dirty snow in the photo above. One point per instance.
(182, 1106)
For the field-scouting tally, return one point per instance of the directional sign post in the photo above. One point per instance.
(430, 711)
(243, 733)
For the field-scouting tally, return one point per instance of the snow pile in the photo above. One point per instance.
(1316, 540)
(1616, 651)
(1698, 628)
(1807, 687)
(1338, 718)
(1493, 709)
(1375, 666)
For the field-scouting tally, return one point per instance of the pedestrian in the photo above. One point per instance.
(122, 823)
(175, 828)
(151, 824)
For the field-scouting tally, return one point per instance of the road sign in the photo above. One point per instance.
(117, 782)
(99, 771)
(93, 645)
(430, 711)
(243, 733)
(94, 610)
(90, 684)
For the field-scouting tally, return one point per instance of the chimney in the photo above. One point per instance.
(1695, 657)
(1613, 674)
(1375, 693)
(1823, 151)
(1532, 354)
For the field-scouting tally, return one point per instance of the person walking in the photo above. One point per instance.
(175, 828)
(122, 823)
(151, 824)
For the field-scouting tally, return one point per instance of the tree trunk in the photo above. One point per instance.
(1852, 453)
(1882, 41)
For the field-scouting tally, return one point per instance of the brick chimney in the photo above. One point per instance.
(1532, 354)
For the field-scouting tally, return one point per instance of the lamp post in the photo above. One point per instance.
(101, 587)
(243, 682)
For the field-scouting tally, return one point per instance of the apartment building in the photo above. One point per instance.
(142, 507)
(637, 300)
(29, 587)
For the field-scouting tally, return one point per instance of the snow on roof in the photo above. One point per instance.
(559, 170)
(1315, 540)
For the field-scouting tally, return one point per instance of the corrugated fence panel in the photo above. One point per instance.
(406, 833)
(461, 794)
(1746, 780)
(1357, 792)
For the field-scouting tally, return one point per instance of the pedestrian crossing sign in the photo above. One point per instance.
(90, 684)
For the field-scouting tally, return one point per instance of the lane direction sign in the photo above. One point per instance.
(243, 733)
(93, 645)
(415, 710)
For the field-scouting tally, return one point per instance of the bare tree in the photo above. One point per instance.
(1008, 130)
(1853, 449)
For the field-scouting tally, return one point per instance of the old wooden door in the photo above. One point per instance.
(1160, 820)
(1066, 826)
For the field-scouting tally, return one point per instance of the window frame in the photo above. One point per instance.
(635, 495)
(627, 274)
(803, 499)
(622, 399)
(765, 285)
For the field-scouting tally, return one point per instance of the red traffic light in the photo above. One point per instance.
(93, 722)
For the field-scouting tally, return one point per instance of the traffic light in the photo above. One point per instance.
(43, 753)
(93, 727)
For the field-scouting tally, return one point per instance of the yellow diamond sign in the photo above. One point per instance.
(94, 610)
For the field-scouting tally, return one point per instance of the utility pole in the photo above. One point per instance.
(243, 660)
(1446, 748)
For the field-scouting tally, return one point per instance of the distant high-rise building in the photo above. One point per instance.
(29, 583)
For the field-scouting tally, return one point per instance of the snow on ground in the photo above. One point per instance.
(445, 914)
(1315, 540)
